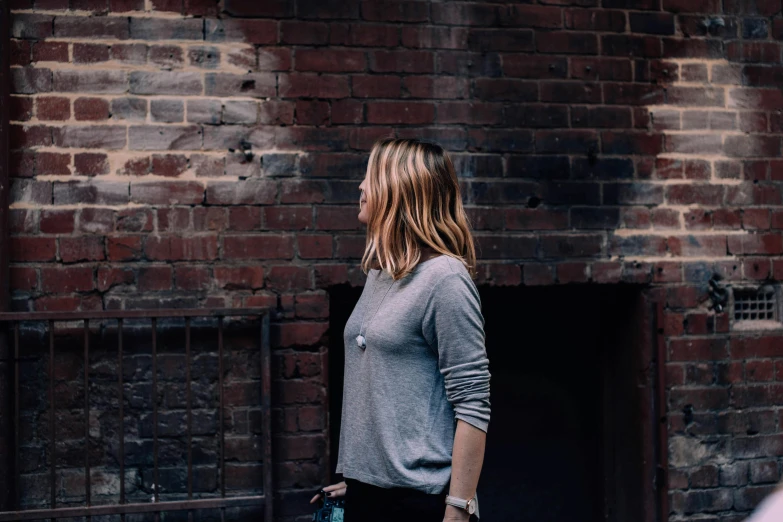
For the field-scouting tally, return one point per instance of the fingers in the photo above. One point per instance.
(335, 490)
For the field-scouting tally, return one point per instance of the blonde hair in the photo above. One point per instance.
(414, 201)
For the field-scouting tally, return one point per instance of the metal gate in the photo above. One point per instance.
(12, 323)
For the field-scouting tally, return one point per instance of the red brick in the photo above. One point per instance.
(153, 278)
(129, 53)
(167, 193)
(66, 280)
(400, 113)
(190, 248)
(760, 370)
(702, 194)
(312, 246)
(262, 32)
(697, 350)
(90, 53)
(288, 218)
(52, 108)
(89, 164)
(174, 6)
(170, 165)
(20, 52)
(534, 16)
(376, 86)
(124, 248)
(192, 277)
(312, 305)
(693, 6)
(89, 248)
(402, 61)
(395, 11)
(23, 279)
(755, 219)
(297, 334)
(286, 278)
(57, 221)
(244, 218)
(166, 56)
(595, 20)
(50, 52)
(312, 112)
(91, 27)
(336, 218)
(763, 243)
(320, 60)
(109, 277)
(32, 249)
(434, 37)
(313, 86)
(572, 272)
(122, 6)
(698, 246)
(567, 43)
(304, 33)
(266, 246)
(21, 108)
(239, 277)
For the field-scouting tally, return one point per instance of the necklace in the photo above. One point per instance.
(361, 340)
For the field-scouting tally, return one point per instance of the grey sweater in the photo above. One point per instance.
(424, 366)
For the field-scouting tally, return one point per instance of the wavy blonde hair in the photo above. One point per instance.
(414, 201)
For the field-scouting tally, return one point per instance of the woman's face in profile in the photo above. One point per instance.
(364, 214)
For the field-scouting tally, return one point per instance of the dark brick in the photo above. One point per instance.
(755, 28)
(652, 23)
(567, 43)
(519, 40)
(142, 82)
(92, 27)
(166, 29)
(263, 32)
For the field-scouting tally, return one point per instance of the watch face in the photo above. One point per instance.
(471, 506)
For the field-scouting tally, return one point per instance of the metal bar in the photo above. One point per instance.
(121, 425)
(266, 414)
(87, 485)
(663, 429)
(220, 411)
(190, 412)
(155, 406)
(52, 449)
(118, 509)
(131, 314)
(16, 492)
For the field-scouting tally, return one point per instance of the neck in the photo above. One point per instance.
(428, 253)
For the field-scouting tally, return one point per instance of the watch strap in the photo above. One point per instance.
(457, 502)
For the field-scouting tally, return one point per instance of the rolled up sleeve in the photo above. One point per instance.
(454, 328)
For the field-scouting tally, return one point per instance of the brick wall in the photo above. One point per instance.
(193, 153)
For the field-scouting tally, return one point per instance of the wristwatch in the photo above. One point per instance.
(468, 505)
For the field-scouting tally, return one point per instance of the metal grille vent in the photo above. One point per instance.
(755, 304)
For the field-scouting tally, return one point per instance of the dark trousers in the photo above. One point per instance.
(368, 503)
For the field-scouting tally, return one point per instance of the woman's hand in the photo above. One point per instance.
(335, 490)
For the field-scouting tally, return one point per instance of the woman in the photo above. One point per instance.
(416, 394)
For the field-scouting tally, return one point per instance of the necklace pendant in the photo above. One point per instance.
(361, 341)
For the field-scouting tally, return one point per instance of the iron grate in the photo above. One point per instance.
(755, 304)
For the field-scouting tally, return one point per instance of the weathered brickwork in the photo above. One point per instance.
(186, 153)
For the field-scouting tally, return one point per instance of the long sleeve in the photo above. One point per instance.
(454, 327)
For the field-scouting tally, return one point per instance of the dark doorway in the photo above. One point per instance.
(571, 394)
